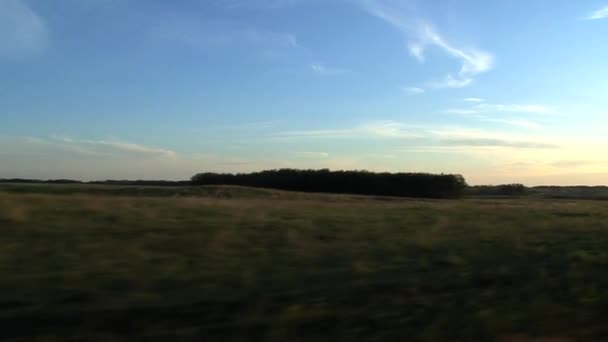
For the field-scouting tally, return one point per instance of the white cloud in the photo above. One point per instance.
(473, 99)
(417, 51)
(132, 148)
(423, 35)
(477, 108)
(389, 129)
(322, 69)
(451, 82)
(474, 61)
(22, 30)
(377, 129)
(601, 13)
(515, 108)
(413, 90)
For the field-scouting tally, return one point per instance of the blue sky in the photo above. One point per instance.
(499, 91)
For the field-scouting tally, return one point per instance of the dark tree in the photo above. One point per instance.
(352, 182)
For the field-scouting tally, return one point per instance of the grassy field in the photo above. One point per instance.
(238, 264)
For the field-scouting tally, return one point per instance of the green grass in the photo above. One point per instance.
(245, 264)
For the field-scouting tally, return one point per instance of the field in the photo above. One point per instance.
(236, 264)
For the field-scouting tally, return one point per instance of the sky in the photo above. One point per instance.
(498, 91)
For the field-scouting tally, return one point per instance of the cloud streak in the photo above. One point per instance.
(413, 90)
(479, 108)
(377, 129)
(132, 148)
(489, 142)
(523, 123)
(451, 82)
(261, 4)
(216, 34)
(313, 154)
(105, 147)
(461, 111)
(428, 136)
(22, 30)
(601, 13)
(515, 108)
(322, 69)
(567, 164)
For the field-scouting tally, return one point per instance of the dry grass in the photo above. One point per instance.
(283, 266)
(523, 338)
(13, 209)
(14, 213)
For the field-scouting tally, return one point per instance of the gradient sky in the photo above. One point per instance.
(499, 91)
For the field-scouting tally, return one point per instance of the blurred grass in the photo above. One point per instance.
(248, 264)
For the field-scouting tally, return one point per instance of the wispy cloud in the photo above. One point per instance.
(417, 51)
(413, 90)
(62, 144)
(378, 129)
(423, 35)
(515, 108)
(459, 132)
(313, 154)
(451, 82)
(216, 34)
(68, 157)
(418, 136)
(132, 148)
(456, 137)
(523, 123)
(106, 147)
(286, 40)
(473, 99)
(576, 163)
(322, 69)
(489, 142)
(600, 13)
(320, 133)
(264, 4)
(478, 108)
(22, 30)
(475, 114)
(474, 61)
(461, 111)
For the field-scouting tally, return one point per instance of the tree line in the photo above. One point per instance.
(104, 182)
(498, 190)
(423, 185)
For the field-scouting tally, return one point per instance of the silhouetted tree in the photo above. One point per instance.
(354, 182)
